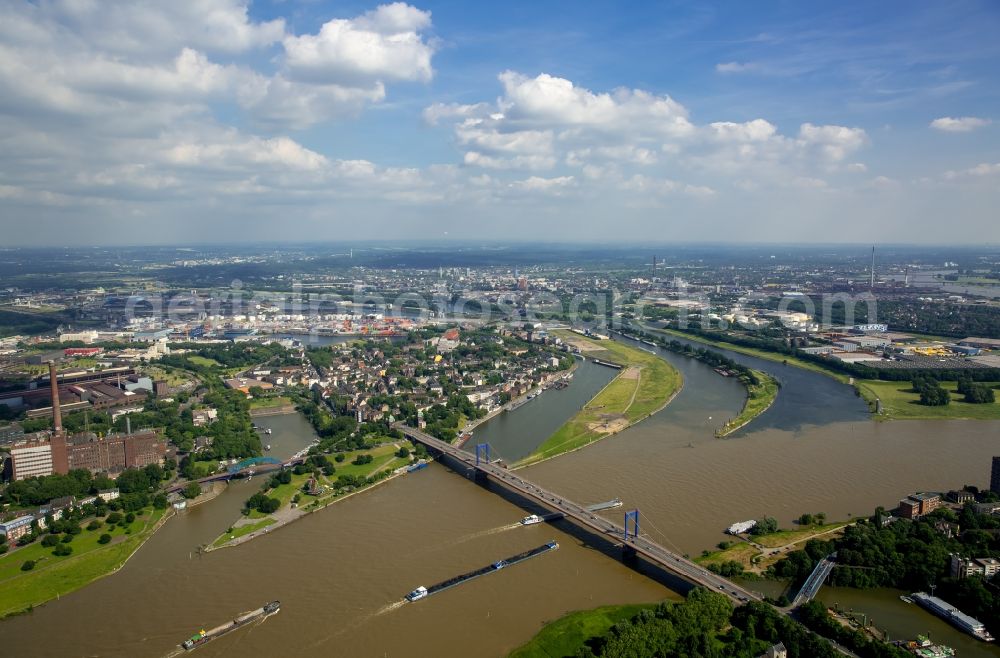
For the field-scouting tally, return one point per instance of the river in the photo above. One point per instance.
(338, 572)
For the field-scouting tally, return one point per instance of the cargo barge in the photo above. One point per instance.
(952, 615)
(423, 592)
(203, 636)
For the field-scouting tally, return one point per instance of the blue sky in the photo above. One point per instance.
(216, 120)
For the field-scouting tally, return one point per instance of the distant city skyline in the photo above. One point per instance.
(213, 121)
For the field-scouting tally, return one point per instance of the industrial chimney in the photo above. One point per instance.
(56, 411)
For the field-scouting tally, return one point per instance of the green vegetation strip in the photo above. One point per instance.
(761, 354)
(54, 576)
(565, 635)
(243, 530)
(760, 397)
(644, 385)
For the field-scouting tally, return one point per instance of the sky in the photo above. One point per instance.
(227, 121)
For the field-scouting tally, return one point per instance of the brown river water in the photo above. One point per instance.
(340, 574)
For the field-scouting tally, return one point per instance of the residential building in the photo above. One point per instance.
(982, 567)
(918, 505)
(961, 497)
(107, 495)
(16, 528)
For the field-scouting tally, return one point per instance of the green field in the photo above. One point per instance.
(900, 402)
(642, 387)
(202, 361)
(269, 403)
(759, 399)
(242, 530)
(54, 576)
(565, 635)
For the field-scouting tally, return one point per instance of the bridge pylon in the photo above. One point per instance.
(482, 457)
(631, 530)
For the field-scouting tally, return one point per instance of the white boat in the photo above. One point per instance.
(267, 431)
(417, 594)
(267, 447)
(531, 520)
(905, 599)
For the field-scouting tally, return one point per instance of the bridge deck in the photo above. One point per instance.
(653, 552)
(815, 580)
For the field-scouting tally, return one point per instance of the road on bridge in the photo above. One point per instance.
(658, 555)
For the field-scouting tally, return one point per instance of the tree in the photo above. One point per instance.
(62, 550)
(104, 539)
(403, 452)
(93, 525)
(979, 394)
(160, 501)
(27, 565)
(113, 518)
(765, 526)
(49, 541)
(191, 490)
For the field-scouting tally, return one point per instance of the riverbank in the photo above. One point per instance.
(900, 402)
(760, 354)
(292, 495)
(760, 397)
(518, 401)
(755, 553)
(565, 635)
(52, 576)
(644, 385)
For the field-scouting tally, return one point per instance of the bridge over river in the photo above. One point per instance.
(632, 542)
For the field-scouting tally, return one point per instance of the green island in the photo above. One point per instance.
(98, 549)
(704, 624)
(760, 396)
(644, 385)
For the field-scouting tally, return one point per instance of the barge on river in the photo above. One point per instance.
(952, 615)
(423, 592)
(203, 636)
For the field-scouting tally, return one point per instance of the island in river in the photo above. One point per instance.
(644, 384)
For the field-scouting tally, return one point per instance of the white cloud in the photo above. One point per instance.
(533, 162)
(834, 142)
(735, 67)
(757, 130)
(548, 100)
(959, 124)
(437, 112)
(145, 27)
(384, 44)
(473, 132)
(549, 185)
(979, 171)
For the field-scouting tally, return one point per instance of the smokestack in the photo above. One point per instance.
(56, 411)
(872, 284)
